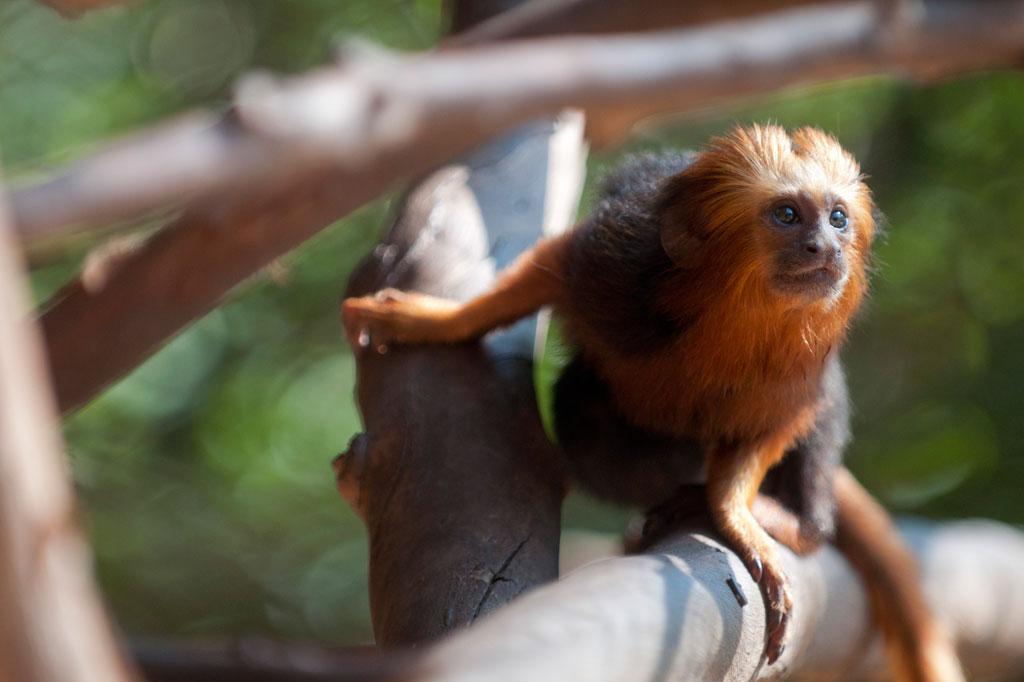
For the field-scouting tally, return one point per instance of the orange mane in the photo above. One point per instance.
(753, 358)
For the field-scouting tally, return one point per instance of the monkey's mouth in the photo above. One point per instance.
(817, 282)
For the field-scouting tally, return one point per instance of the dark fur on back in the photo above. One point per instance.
(616, 263)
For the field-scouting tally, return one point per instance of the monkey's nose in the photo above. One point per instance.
(816, 253)
(821, 247)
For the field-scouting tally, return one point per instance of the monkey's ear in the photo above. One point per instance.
(682, 220)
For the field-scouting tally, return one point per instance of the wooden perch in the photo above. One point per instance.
(451, 479)
(672, 614)
(52, 625)
(372, 121)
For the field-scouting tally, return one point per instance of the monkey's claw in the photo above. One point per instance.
(772, 581)
(778, 606)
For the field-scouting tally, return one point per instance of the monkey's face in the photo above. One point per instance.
(776, 217)
(784, 217)
(806, 243)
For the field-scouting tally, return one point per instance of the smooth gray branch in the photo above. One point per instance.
(671, 614)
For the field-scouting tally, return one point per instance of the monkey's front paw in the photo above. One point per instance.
(392, 316)
(769, 576)
(376, 320)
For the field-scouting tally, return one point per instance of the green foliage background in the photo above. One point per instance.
(205, 474)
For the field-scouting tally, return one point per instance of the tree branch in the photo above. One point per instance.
(344, 113)
(971, 568)
(475, 509)
(376, 120)
(52, 626)
(671, 614)
(372, 104)
(474, 512)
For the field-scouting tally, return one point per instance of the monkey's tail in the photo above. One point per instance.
(918, 647)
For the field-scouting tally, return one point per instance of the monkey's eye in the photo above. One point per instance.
(785, 214)
(838, 219)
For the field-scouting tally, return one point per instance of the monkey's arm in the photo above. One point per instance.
(535, 279)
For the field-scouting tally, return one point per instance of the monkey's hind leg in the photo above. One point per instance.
(535, 279)
(917, 645)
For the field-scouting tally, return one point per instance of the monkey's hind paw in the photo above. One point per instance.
(777, 602)
(392, 316)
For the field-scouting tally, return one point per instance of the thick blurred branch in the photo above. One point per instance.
(52, 625)
(324, 144)
(445, 102)
(671, 614)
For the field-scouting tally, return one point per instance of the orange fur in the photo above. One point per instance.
(752, 354)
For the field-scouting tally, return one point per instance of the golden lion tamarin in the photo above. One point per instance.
(708, 297)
